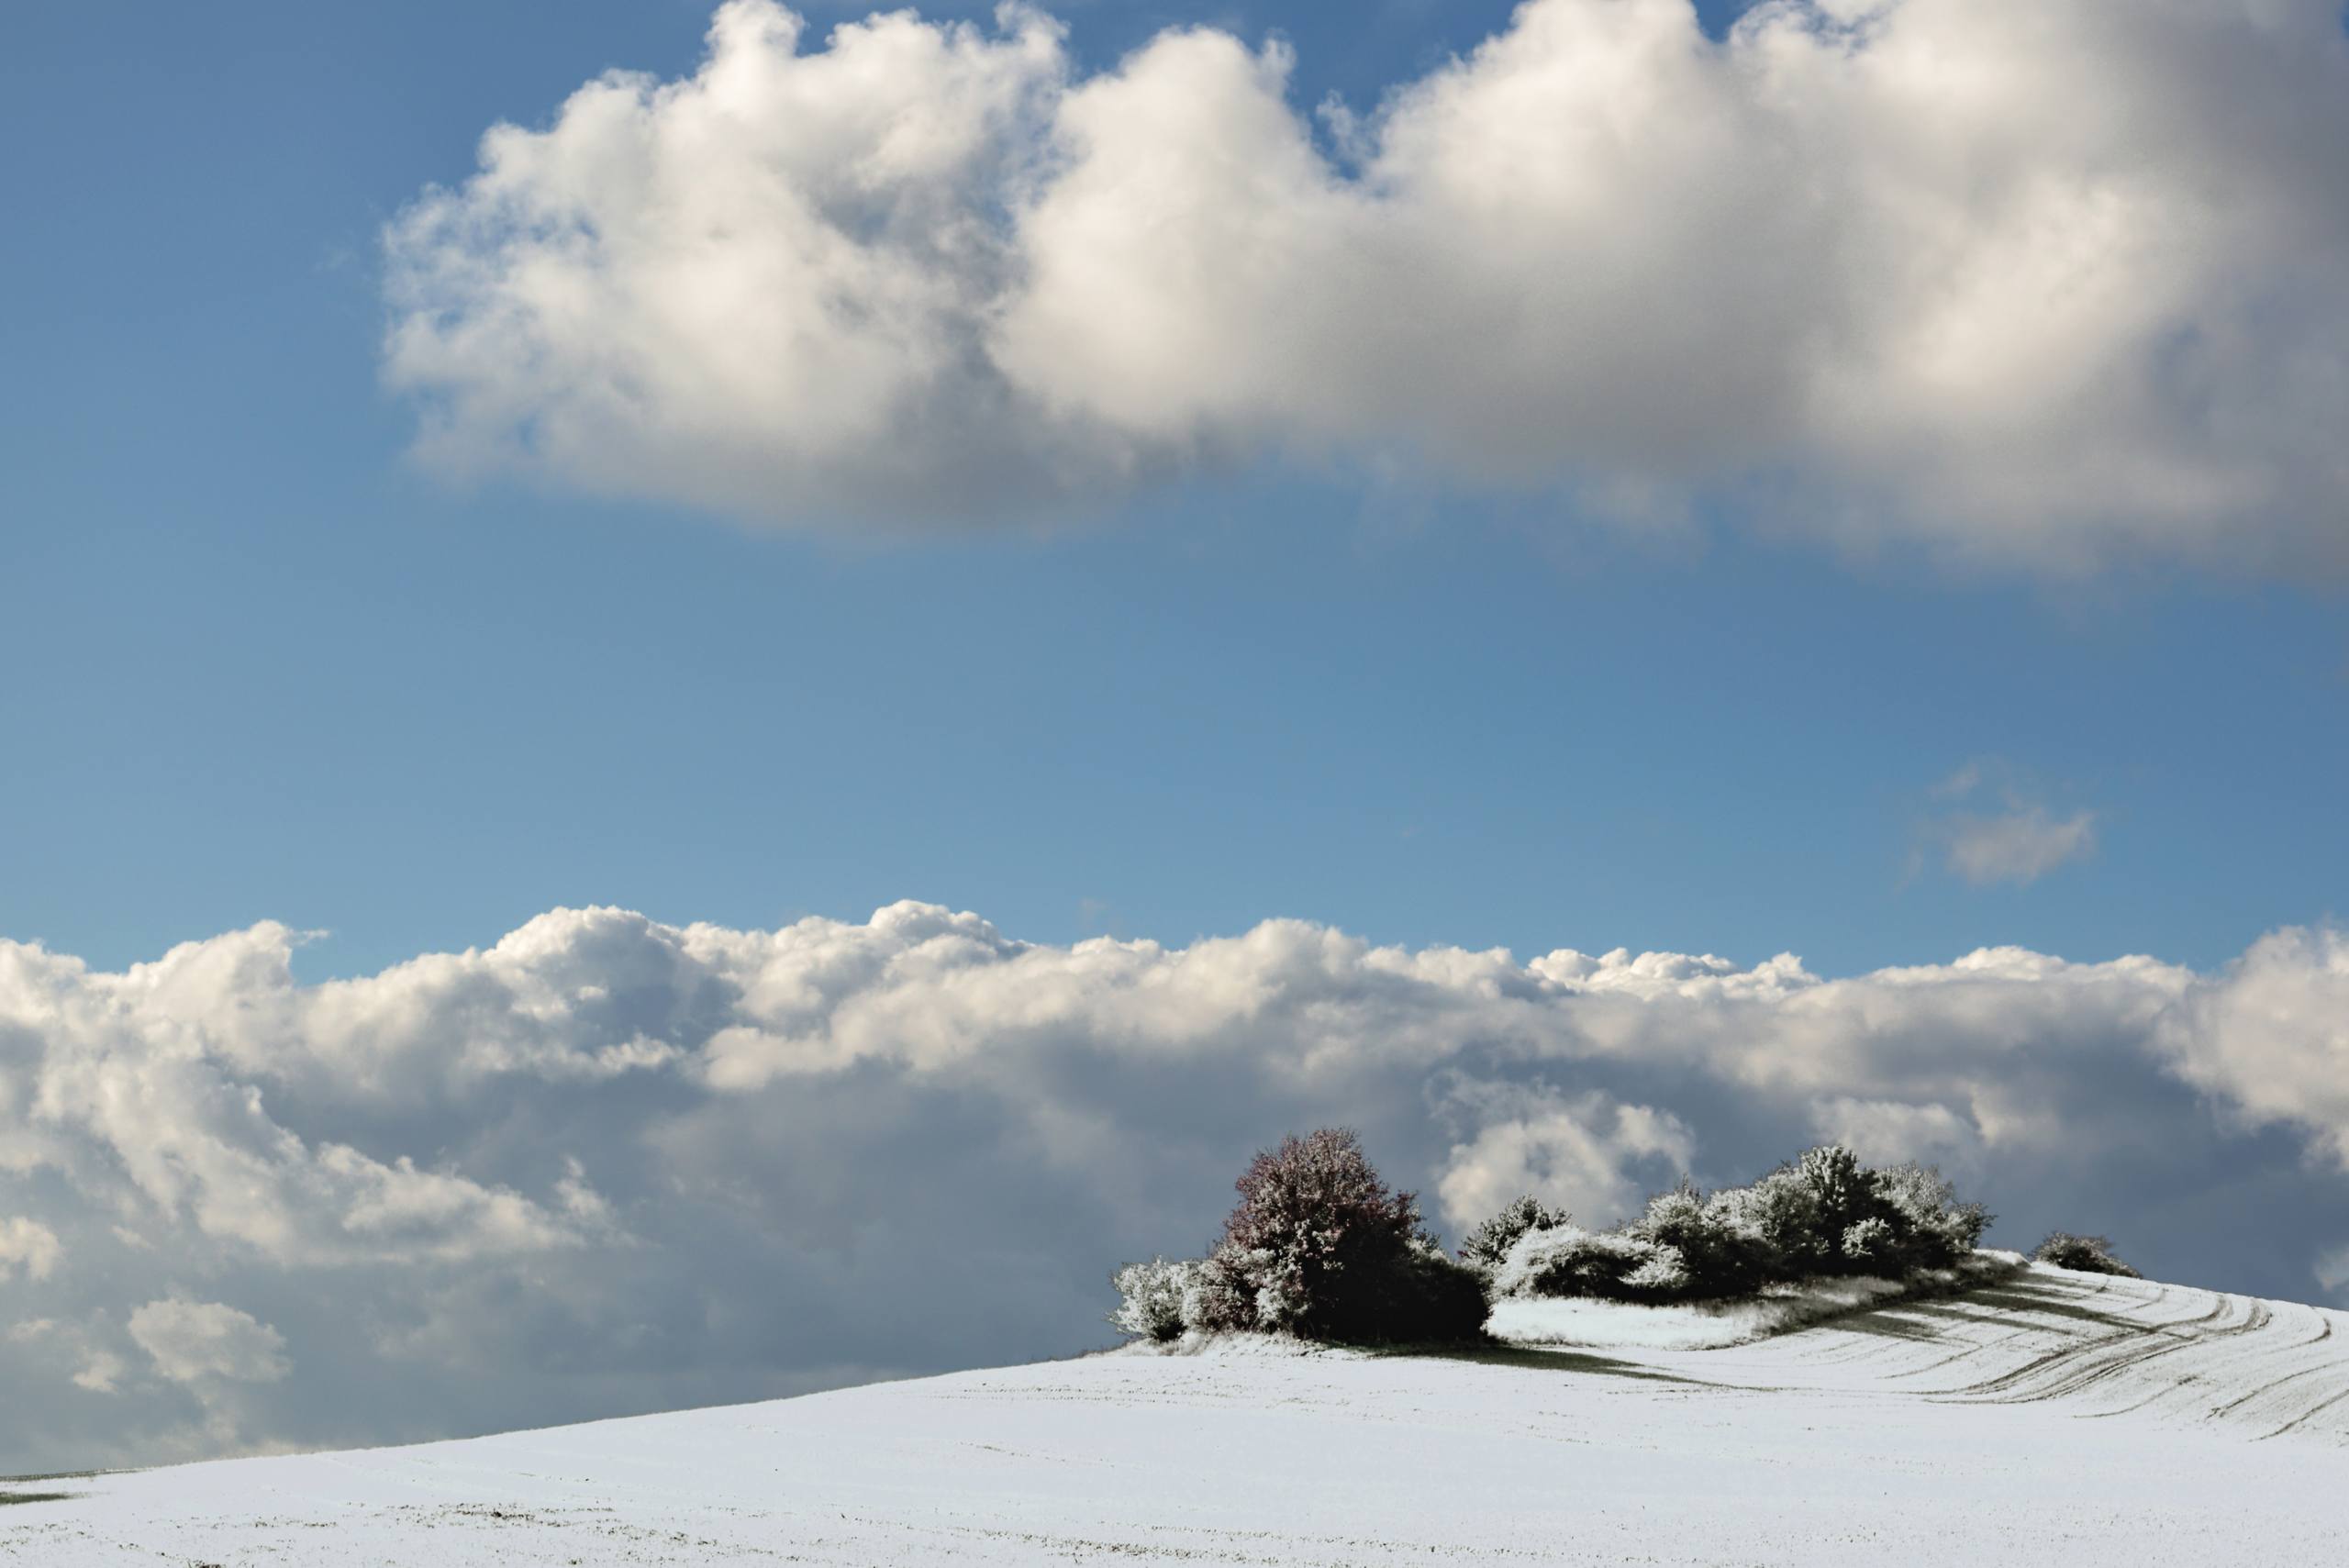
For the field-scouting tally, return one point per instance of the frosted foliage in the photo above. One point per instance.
(1567, 1259)
(1151, 1297)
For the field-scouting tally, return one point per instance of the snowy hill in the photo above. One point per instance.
(2055, 1417)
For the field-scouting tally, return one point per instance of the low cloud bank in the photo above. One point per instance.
(612, 1164)
(2050, 283)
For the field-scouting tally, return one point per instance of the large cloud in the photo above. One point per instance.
(2042, 281)
(612, 1164)
(2272, 1042)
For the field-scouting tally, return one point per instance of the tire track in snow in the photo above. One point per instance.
(2063, 1355)
(2256, 1318)
(2104, 1348)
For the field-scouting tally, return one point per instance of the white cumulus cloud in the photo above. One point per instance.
(142, 1087)
(2271, 1042)
(610, 1163)
(2048, 282)
(1586, 1154)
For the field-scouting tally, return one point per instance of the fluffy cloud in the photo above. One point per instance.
(1579, 1154)
(2272, 1041)
(763, 289)
(610, 1164)
(1885, 1132)
(192, 1340)
(2040, 282)
(138, 1087)
(29, 1245)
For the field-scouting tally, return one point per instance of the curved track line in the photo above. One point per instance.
(2064, 1355)
(2305, 1416)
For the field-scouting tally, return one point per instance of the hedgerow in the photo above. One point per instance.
(1823, 1213)
(1320, 1247)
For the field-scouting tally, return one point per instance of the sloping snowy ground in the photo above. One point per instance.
(1586, 1324)
(2054, 1419)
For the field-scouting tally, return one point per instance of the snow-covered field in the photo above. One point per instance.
(2050, 1418)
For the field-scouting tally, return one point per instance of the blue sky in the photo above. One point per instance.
(268, 667)
(1311, 493)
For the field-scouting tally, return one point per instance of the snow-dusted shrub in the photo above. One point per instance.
(1566, 1260)
(1789, 1224)
(1841, 1184)
(1320, 1247)
(1826, 1213)
(1821, 1214)
(1220, 1295)
(1490, 1242)
(1720, 1253)
(1843, 1208)
(1664, 1276)
(1936, 1229)
(2089, 1254)
(1151, 1297)
(1871, 1246)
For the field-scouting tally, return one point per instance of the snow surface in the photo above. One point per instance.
(2050, 1418)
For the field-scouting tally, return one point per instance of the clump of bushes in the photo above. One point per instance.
(1566, 1260)
(1490, 1242)
(1319, 1247)
(2089, 1254)
(1824, 1213)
